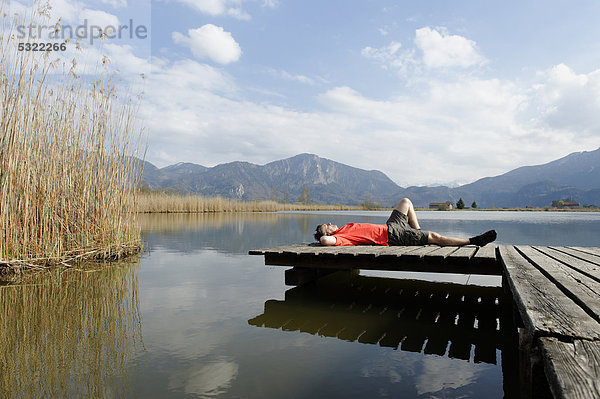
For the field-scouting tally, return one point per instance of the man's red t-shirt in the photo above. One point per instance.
(361, 233)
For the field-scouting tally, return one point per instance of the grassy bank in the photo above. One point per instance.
(67, 181)
(156, 202)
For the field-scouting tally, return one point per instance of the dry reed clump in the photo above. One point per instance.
(67, 176)
(176, 203)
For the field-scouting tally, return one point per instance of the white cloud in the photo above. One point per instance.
(442, 50)
(210, 41)
(231, 8)
(437, 49)
(14, 8)
(116, 3)
(451, 131)
(194, 111)
(119, 59)
(188, 77)
(73, 12)
(99, 18)
(280, 74)
(123, 58)
(391, 57)
(270, 3)
(65, 9)
(387, 55)
(455, 131)
(567, 101)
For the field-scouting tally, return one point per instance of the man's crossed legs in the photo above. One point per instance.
(406, 207)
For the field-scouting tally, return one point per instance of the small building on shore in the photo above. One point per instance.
(442, 205)
(570, 205)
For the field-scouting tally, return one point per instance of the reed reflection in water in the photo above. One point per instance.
(234, 233)
(70, 333)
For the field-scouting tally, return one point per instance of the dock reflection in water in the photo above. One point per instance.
(69, 333)
(458, 321)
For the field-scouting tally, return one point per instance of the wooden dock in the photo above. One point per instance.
(555, 291)
(429, 258)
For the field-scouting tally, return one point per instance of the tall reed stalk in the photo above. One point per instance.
(67, 176)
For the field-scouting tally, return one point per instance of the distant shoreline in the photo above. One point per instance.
(165, 202)
(548, 209)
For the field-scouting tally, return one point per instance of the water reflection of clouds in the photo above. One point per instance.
(431, 376)
(393, 366)
(184, 312)
(440, 373)
(206, 379)
(177, 283)
(192, 307)
(225, 232)
(177, 298)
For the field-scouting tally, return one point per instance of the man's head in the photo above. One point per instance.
(324, 229)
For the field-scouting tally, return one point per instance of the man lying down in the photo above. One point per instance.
(402, 228)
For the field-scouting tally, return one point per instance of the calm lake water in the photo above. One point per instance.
(197, 317)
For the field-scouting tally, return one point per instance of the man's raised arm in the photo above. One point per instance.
(327, 240)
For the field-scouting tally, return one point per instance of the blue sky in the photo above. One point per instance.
(427, 92)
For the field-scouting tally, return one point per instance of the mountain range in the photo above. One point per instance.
(575, 177)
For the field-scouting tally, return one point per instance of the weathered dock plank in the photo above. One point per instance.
(582, 289)
(590, 269)
(429, 258)
(420, 253)
(462, 254)
(275, 249)
(393, 253)
(559, 304)
(544, 308)
(589, 250)
(579, 254)
(486, 253)
(441, 253)
(572, 368)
